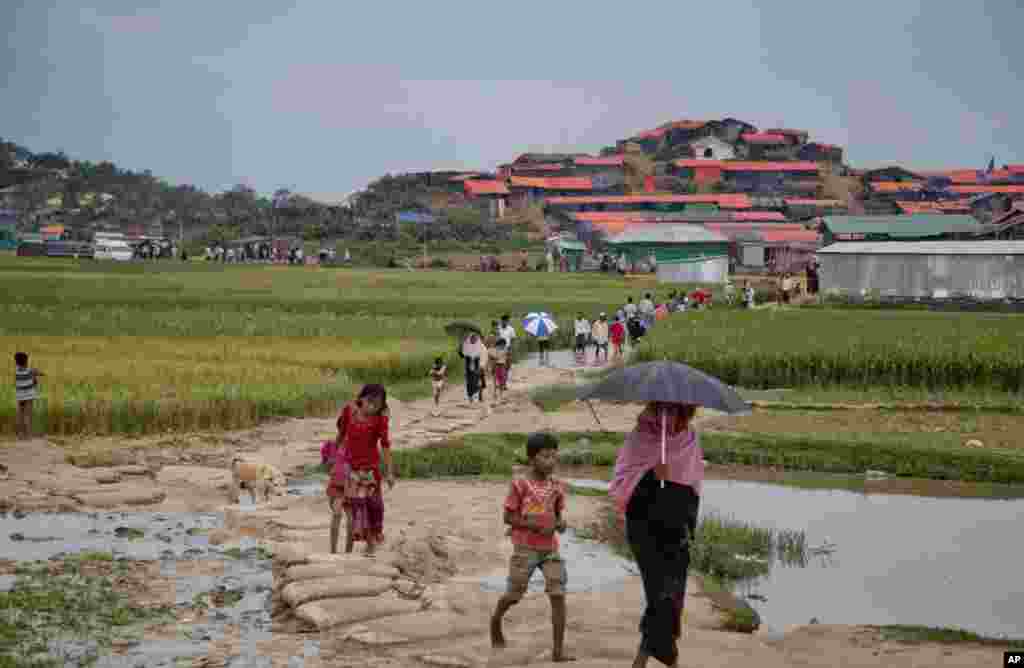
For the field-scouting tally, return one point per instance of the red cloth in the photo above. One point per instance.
(361, 438)
(540, 502)
(617, 332)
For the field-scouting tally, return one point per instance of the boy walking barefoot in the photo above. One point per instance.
(533, 511)
(26, 391)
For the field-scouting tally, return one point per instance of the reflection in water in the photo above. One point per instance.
(591, 567)
(883, 559)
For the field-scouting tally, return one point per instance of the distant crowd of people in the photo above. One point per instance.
(264, 252)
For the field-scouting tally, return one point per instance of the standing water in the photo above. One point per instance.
(893, 559)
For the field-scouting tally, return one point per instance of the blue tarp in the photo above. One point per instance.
(415, 217)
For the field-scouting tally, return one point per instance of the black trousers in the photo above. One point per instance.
(659, 525)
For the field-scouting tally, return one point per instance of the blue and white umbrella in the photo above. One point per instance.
(539, 324)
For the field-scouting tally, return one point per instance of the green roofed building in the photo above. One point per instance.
(8, 230)
(573, 251)
(683, 253)
(918, 227)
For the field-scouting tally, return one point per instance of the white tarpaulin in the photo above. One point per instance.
(705, 270)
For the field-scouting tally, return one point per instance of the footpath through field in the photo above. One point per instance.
(420, 602)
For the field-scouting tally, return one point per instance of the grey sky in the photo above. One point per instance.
(325, 97)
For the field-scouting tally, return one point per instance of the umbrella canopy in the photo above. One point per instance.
(668, 382)
(539, 324)
(461, 329)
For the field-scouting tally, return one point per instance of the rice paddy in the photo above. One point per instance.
(849, 348)
(141, 348)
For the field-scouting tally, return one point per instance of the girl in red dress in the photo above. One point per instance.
(355, 486)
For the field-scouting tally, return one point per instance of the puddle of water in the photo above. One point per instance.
(591, 567)
(307, 487)
(897, 560)
(168, 537)
(165, 535)
(557, 359)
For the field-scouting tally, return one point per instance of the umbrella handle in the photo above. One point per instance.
(664, 427)
(594, 412)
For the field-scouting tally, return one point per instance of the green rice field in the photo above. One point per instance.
(848, 348)
(145, 347)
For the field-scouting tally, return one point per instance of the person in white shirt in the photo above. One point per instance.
(629, 308)
(600, 334)
(582, 328)
(647, 310)
(748, 295)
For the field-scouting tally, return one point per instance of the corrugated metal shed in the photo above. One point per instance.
(925, 269)
(918, 226)
(768, 138)
(475, 188)
(789, 236)
(571, 246)
(925, 248)
(662, 233)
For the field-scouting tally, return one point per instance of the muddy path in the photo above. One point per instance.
(424, 600)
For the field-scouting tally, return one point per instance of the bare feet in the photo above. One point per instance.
(497, 637)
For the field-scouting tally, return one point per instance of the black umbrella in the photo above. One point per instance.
(666, 382)
(461, 329)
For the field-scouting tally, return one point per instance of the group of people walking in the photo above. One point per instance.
(488, 356)
(656, 489)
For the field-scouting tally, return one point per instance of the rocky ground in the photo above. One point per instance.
(419, 602)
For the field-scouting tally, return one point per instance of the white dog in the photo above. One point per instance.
(252, 477)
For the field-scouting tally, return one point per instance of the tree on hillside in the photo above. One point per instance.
(239, 203)
(58, 160)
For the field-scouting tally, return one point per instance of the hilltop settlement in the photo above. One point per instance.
(690, 200)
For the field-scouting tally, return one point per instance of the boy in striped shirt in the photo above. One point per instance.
(26, 390)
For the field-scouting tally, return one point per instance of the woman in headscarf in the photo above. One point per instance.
(475, 353)
(660, 521)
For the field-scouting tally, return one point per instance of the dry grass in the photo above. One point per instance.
(995, 431)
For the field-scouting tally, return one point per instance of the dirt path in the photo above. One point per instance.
(420, 601)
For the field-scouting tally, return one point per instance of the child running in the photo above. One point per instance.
(438, 379)
(533, 511)
(26, 391)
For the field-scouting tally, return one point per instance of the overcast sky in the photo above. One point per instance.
(326, 96)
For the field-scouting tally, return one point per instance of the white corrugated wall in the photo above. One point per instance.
(925, 276)
(712, 270)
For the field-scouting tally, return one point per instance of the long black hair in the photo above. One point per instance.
(374, 391)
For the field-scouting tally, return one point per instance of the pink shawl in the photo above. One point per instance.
(642, 452)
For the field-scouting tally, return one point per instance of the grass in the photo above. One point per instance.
(913, 456)
(153, 347)
(551, 398)
(67, 608)
(945, 636)
(723, 552)
(847, 348)
(891, 399)
(496, 454)
(903, 455)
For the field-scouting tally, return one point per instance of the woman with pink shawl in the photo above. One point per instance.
(659, 502)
